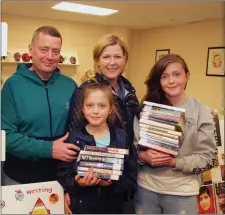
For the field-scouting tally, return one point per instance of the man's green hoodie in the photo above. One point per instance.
(34, 113)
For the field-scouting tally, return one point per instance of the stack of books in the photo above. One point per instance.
(161, 127)
(108, 163)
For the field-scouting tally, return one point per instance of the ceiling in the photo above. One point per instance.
(132, 14)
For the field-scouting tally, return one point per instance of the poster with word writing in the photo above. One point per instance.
(36, 198)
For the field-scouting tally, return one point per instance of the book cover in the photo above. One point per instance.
(100, 159)
(219, 191)
(101, 165)
(206, 200)
(106, 149)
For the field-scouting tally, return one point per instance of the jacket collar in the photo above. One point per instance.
(89, 139)
(24, 70)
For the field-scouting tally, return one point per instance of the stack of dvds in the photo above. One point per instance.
(108, 163)
(161, 127)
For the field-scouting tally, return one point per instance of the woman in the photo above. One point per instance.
(170, 184)
(206, 200)
(110, 57)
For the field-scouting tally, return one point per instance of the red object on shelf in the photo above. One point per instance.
(25, 57)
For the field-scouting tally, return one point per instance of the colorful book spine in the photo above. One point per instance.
(103, 171)
(101, 165)
(157, 146)
(157, 124)
(152, 104)
(161, 133)
(173, 119)
(142, 125)
(101, 176)
(160, 111)
(158, 137)
(100, 159)
(101, 154)
(106, 150)
(162, 143)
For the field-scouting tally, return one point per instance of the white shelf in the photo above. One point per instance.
(60, 64)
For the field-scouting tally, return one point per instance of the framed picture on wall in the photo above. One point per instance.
(215, 61)
(160, 53)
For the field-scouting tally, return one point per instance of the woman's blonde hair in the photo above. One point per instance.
(108, 40)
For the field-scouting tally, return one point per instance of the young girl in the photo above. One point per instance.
(206, 200)
(88, 194)
(171, 184)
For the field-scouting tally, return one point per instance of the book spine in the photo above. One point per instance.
(162, 118)
(152, 104)
(161, 133)
(100, 159)
(159, 111)
(103, 171)
(157, 147)
(101, 154)
(101, 165)
(101, 176)
(155, 136)
(162, 143)
(160, 129)
(106, 149)
(157, 124)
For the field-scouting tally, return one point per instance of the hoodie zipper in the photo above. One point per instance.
(49, 109)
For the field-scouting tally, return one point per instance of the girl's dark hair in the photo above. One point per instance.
(154, 91)
(91, 87)
(204, 190)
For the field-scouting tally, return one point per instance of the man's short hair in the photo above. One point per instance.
(49, 30)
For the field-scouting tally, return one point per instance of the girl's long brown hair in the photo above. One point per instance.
(154, 90)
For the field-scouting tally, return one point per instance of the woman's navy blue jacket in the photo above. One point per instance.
(98, 199)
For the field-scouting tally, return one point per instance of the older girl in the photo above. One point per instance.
(168, 184)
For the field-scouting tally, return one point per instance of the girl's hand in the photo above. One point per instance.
(67, 203)
(156, 158)
(104, 183)
(172, 163)
(88, 180)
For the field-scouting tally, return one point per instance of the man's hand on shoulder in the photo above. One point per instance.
(64, 151)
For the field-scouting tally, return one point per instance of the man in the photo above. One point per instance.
(35, 102)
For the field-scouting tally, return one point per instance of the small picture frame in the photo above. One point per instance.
(215, 61)
(160, 53)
